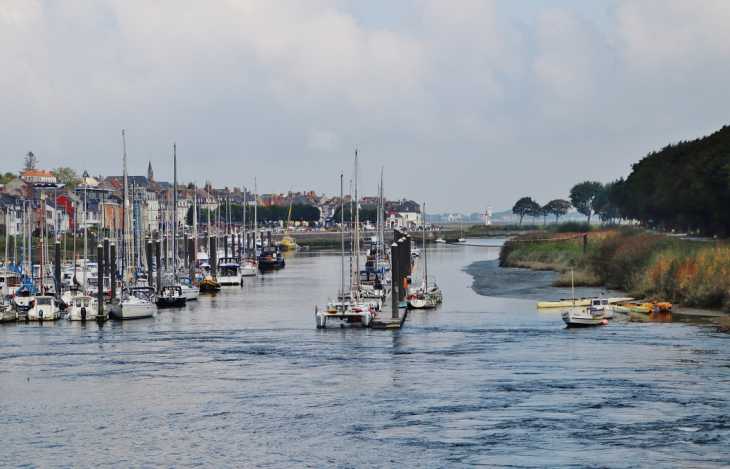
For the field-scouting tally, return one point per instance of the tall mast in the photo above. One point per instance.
(425, 260)
(85, 239)
(125, 208)
(195, 221)
(357, 234)
(255, 220)
(342, 240)
(174, 214)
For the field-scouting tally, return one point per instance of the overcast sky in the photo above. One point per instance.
(465, 103)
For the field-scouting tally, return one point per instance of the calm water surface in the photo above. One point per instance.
(243, 378)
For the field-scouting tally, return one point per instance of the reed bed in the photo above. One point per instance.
(645, 265)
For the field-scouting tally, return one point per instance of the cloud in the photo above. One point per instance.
(323, 140)
(475, 99)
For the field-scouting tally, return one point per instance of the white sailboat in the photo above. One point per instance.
(136, 302)
(424, 293)
(355, 311)
(581, 316)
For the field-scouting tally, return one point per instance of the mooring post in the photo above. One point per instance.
(213, 257)
(148, 255)
(185, 249)
(585, 243)
(107, 269)
(100, 288)
(394, 283)
(191, 260)
(158, 253)
(113, 269)
(402, 269)
(57, 266)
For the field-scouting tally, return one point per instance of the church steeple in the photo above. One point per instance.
(150, 174)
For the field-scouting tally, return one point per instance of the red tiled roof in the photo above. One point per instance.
(35, 172)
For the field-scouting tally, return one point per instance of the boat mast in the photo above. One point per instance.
(255, 220)
(174, 214)
(425, 260)
(357, 235)
(195, 226)
(342, 240)
(125, 208)
(85, 241)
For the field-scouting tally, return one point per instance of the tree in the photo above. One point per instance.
(544, 211)
(67, 175)
(525, 206)
(6, 178)
(583, 195)
(30, 162)
(558, 207)
(604, 205)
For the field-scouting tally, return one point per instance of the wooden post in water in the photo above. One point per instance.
(57, 266)
(185, 249)
(213, 256)
(191, 260)
(402, 269)
(585, 243)
(113, 269)
(158, 253)
(100, 287)
(394, 284)
(107, 268)
(408, 257)
(164, 254)
(148, 255)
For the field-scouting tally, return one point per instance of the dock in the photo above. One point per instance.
(386, 322)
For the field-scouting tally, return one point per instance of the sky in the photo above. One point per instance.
(462, 104)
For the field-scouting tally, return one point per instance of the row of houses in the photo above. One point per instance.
(37, 197)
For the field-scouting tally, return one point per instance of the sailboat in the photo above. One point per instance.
(580, 316)
(424, 293)
(356, 310)
(136, 302)
(171, 295)
(249, 264)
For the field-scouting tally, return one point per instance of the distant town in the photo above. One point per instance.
(67, 202)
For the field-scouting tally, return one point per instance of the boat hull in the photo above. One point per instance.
(578, 317)
(132, 311)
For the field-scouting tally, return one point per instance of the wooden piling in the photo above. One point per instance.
(158, 254)
(100, 288)
(148, 254)
(113, 269)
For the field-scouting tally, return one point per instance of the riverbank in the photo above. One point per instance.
(645, 265)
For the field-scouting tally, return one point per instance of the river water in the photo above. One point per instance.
(244, 379)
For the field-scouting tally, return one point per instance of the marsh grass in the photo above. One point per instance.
(645, 265)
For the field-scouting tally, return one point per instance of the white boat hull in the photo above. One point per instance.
(133, 311)
(581, 317)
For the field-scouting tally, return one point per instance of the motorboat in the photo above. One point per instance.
(229, 271)
(6, 312)
(189, 289)
(441, 240)
(249, 267)
(43, 308)
(79, 308)
(579, 316)
(601, 306)
(136, 303)
(271, 257)
(171, 296)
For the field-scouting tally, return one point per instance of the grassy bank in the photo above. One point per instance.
(645, 265)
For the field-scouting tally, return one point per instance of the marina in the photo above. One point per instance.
(238, 379)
